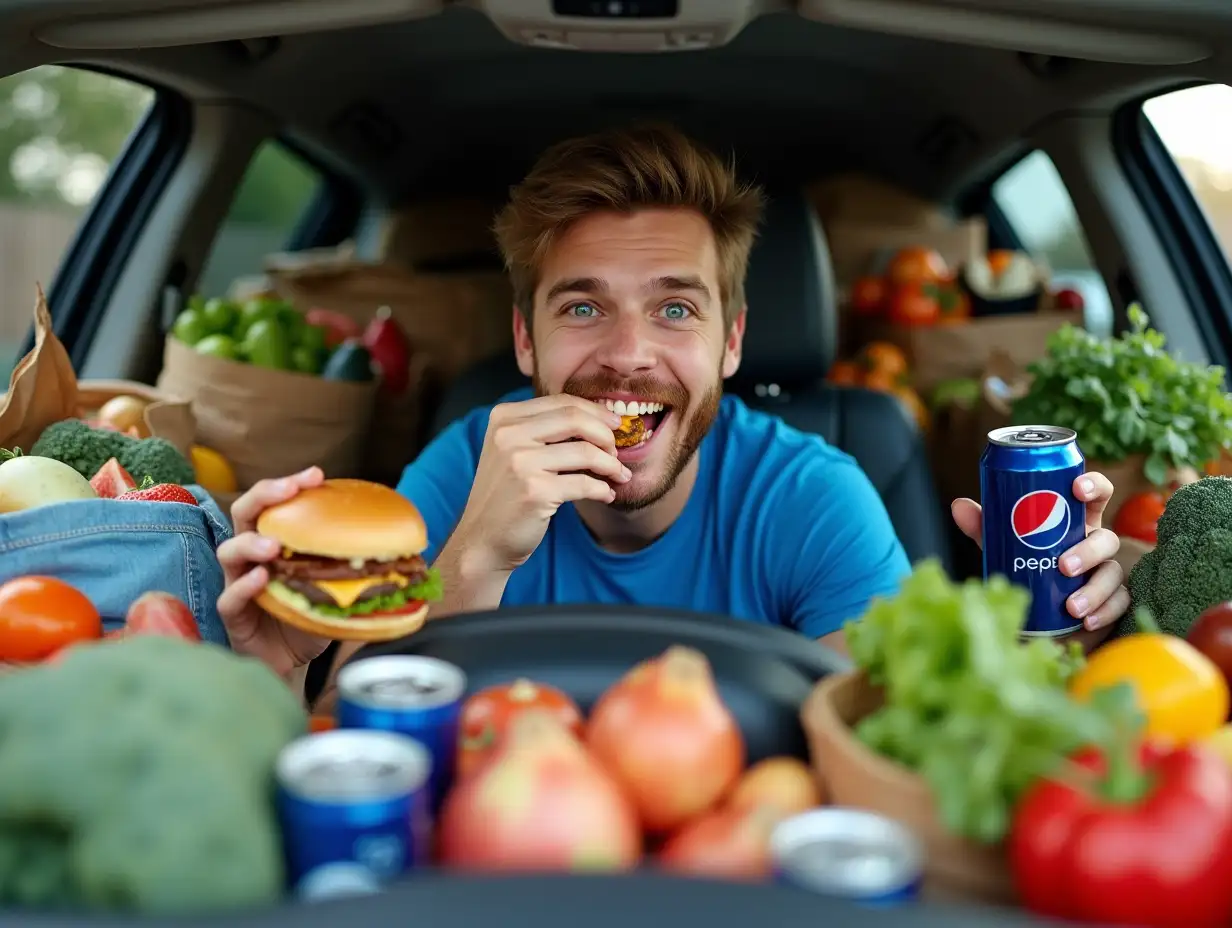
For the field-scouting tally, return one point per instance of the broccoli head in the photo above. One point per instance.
(1190, 568)
(138, 777)
(86, 449)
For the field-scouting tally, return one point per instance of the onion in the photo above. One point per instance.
(27, 482)
(784, 783)
(538, 803)
(664, 733)
(729, 843)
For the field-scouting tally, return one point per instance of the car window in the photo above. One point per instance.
(1034, 201)
(1193, 125)
(61, 129)
(277, 190)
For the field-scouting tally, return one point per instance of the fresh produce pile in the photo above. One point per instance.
(126, 414)
(1127, 396)
(882, 366)
(657, 769)
(271, 333)
(1108, 779)
(918, 288)
(137, 778)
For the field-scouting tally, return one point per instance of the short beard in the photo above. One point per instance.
(691, 434)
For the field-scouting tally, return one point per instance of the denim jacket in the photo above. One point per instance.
(113, 551)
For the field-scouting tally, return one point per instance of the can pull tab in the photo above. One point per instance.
(1033, 436)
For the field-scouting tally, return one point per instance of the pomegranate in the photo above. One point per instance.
(731, 843)
(486, 716)
(664, 733)
(783, 783)
(539, 803)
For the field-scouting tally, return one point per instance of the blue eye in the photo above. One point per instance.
(676, 311)
(582, 311)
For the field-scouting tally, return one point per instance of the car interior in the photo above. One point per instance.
(1038, 118)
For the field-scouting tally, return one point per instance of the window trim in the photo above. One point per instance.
(334, 211)
(1203, 270)
(98, 253)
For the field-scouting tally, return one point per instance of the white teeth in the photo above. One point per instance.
(632, 407)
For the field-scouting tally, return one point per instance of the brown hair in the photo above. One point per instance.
(623, 170)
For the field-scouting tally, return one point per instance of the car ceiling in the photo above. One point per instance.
(448, 104)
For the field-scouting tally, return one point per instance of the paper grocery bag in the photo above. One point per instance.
(44, 389)
(270, 423)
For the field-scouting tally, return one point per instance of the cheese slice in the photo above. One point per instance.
(346, 592)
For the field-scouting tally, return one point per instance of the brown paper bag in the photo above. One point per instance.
(44, 389)
(456, 319)
(938, 353)
(270, 423)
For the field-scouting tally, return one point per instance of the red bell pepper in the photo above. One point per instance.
(1148, 841)
(391, 350)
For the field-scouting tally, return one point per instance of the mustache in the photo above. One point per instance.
(645, 388)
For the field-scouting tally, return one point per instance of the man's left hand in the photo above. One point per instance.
(1103, 599)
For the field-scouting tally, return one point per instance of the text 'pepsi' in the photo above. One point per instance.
(1031, 518)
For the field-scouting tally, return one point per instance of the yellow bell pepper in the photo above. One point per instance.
(1180, 690)
(213, 471)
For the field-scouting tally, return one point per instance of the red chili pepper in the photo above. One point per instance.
(391, 350)
(1149, 843)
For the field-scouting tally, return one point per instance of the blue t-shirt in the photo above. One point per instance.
(781, 529)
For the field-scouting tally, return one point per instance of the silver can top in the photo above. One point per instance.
(353, 764)
(1032, 436)
(401, 681)
(847, 852)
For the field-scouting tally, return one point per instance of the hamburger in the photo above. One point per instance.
(351, 565)
(631, 432)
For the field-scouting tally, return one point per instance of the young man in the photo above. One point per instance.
(627, 253)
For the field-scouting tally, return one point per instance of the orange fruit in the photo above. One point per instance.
(885, 357)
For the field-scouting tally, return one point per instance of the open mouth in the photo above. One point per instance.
(639, 420)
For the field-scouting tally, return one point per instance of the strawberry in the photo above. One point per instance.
(151, 492)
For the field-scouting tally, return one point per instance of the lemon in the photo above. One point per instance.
(212, 470)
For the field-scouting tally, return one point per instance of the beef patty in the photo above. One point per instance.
(299, 571)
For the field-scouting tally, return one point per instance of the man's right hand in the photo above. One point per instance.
(252, 631)
(537, 455)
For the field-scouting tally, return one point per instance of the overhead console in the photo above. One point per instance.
(624, 25)
(159, 23)
(1153, 32)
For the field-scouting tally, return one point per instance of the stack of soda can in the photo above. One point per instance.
(356, 804)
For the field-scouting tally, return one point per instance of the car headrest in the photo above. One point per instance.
(792, 326)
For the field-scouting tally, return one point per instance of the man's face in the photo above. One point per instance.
(628, 310)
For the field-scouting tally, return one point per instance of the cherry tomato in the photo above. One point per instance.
(1138, 516)
(41, 615)
(1211, 633)
(914, 304)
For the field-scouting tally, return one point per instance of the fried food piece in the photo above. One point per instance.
(631, 431)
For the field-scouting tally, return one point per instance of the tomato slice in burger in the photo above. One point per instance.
(406, 609)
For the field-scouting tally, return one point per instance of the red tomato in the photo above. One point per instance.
(540, 803)
(917, 265)
(1211, 633)
(728, 843)
(1139, 515)
(1068, 299)
(954, 304)
(664, 733)
(914, 304)
(161, 614)
(868, 295)
(41, 615)
(487, 714)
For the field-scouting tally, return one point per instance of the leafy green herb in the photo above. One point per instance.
(1128, 396)
(974, 710)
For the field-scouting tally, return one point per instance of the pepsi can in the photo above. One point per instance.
(410, 694)
(1031, 518)
(849, 854)
(353, 803)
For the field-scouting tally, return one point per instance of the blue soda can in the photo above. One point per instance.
(353, 802)
(849, 854)
(1031, 517)
(410, 694)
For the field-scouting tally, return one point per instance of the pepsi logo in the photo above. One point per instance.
(1040, 519)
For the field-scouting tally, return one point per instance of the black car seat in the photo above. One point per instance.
(789, 345)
